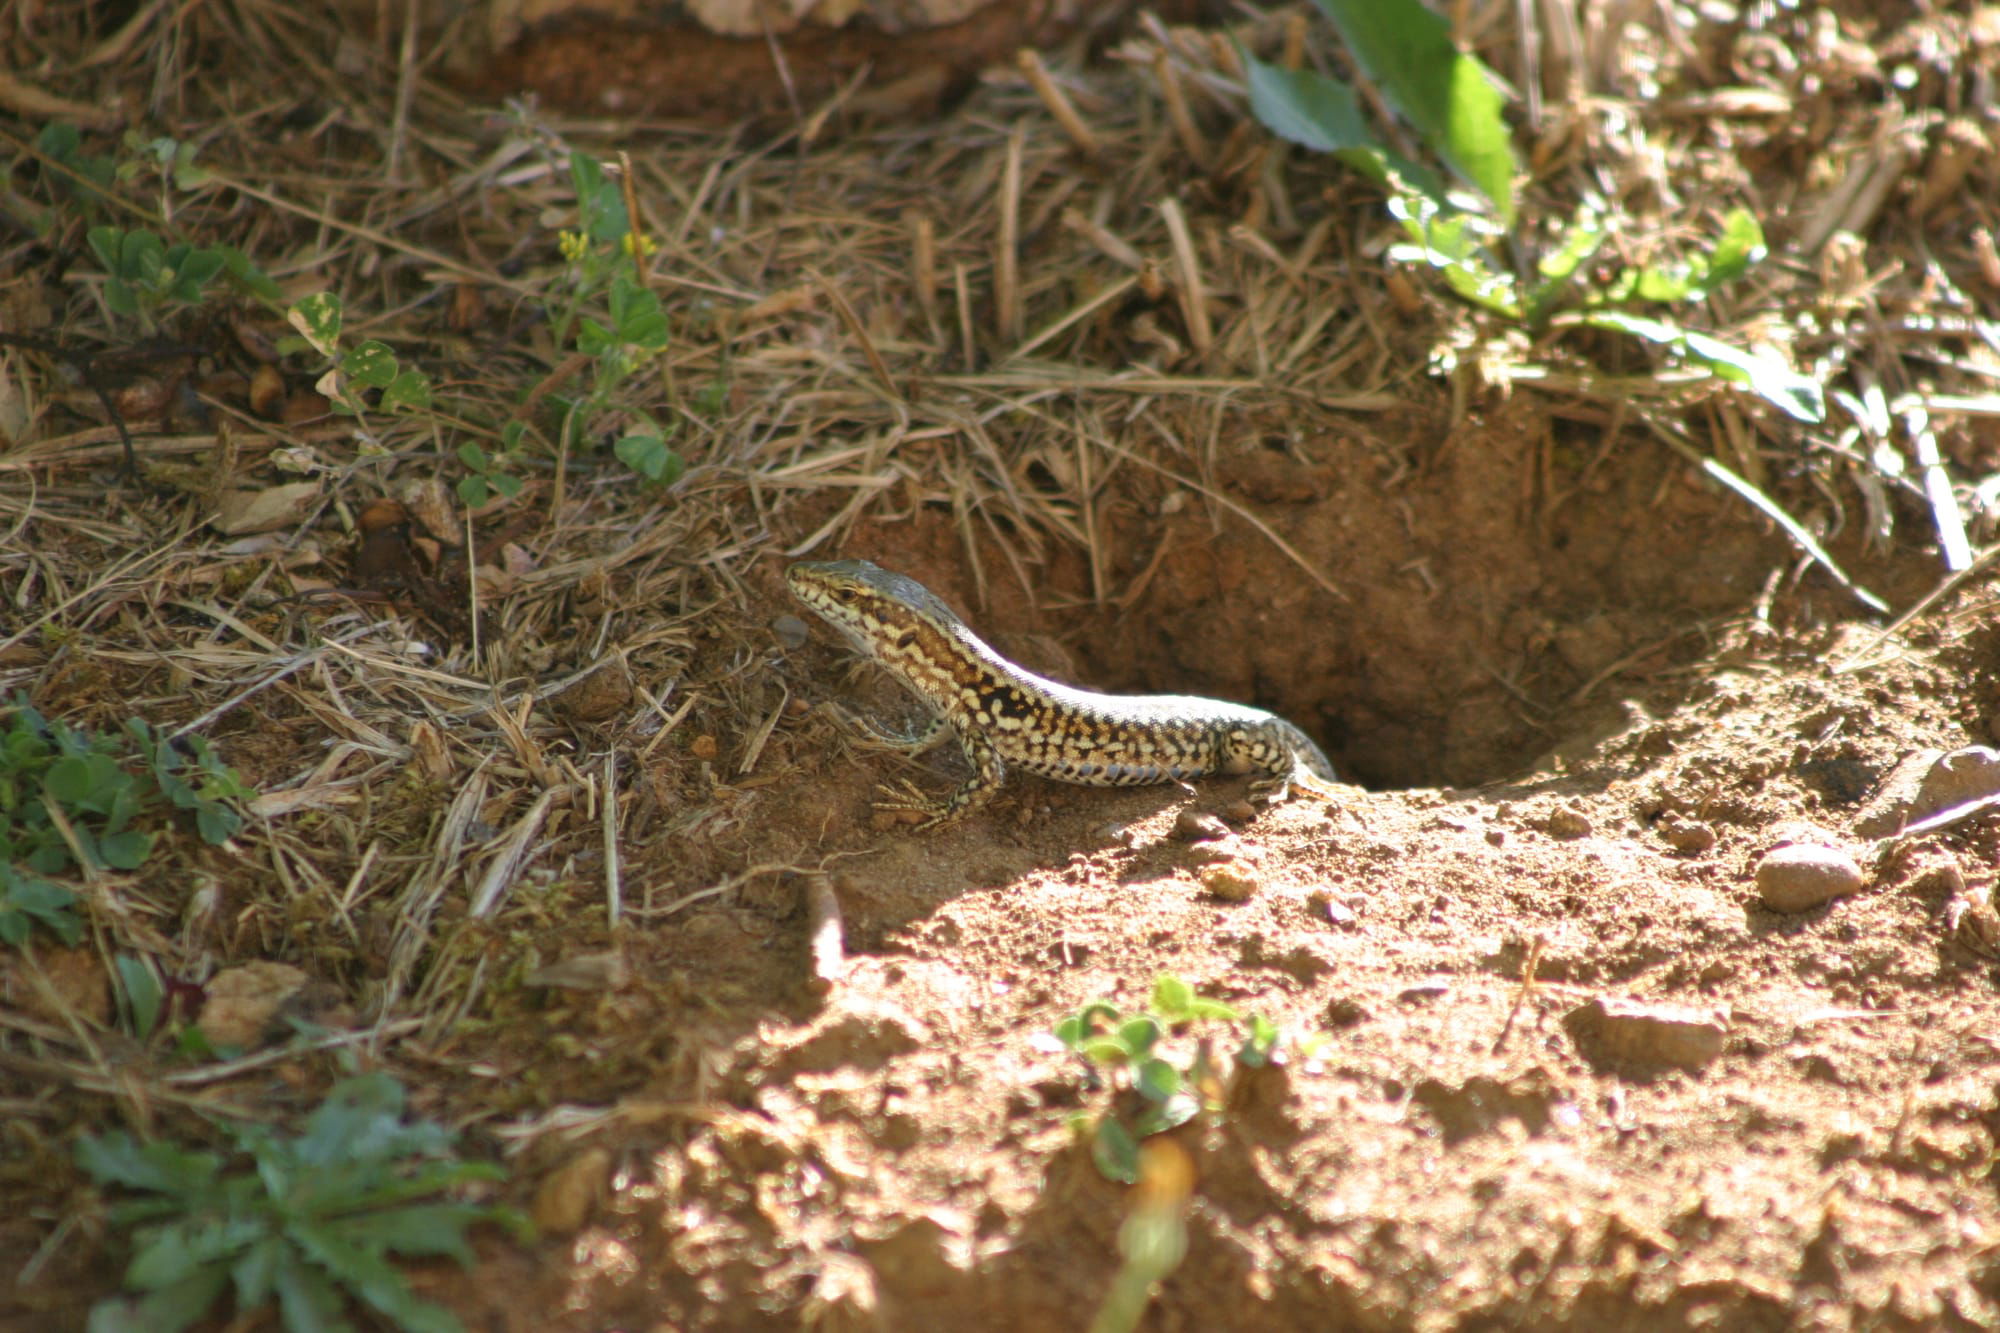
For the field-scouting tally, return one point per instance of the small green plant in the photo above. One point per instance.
(484, 478)
(1167, 1093)
(1452, 101)
(79, 177)
(369, 367)
(602, 254)
(67, 795)
(145, 275)
(309, 1223)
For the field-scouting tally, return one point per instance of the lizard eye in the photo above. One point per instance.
(844, 594)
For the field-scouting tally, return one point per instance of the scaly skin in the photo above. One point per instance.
(1005, 716)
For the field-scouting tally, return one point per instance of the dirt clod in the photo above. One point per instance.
(1640, 1036)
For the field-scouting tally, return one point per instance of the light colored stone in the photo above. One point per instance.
(1802, 875)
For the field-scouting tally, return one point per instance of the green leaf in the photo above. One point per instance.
(317, 318)
(377, 1283)
(217, 824)
(1452, 244)
(1156, 1080)
(472, 456)
(1583, 239)
(1323, 114)
(1105, 1050)
(472, 490)
(1115, 1152)
(255, 1274)
(79, 779)
(505, 483)
(143, 992)
(106, 243)
(1798, 396)
(416, 1229)
(194, 270)
(114, 1158)
(1255, 1052)
(167, 1310)
(167, 1256)
(371, 365)
(649, 456)
(1450, 98)
(141, 257)
(636, 317)
(1739, 247)
(410, 390)
(1159, 1117)
(124, 851)
(27, 899)
(1138, 1035)
(308, 1302)
(254, 280)
(593, 339)
(600, 204)
(1171, 998)
(1201, 1008)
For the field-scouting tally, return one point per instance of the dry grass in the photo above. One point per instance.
(1079, 274)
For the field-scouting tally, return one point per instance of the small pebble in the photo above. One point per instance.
(1801, 875)
(1228, 883)
(1324, 904)
(1239, 812)
(1568, 823)
(1194, 826)
(1686, 835)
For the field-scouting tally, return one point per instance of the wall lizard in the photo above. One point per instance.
(1005, 716)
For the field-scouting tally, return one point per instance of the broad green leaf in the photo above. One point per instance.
(317, 318)
(141, 256)
(124, 851)
(1105, 1050)
(216, 824)
(410, 390)
(1450, 98)
(1203, 1008)
(1171, 997)
(635, 315)
(1138, 1035)
(1323, 114)
(106, 243)
(593, 339)
(371, 365)
(1156, 1080)
(649, 456)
